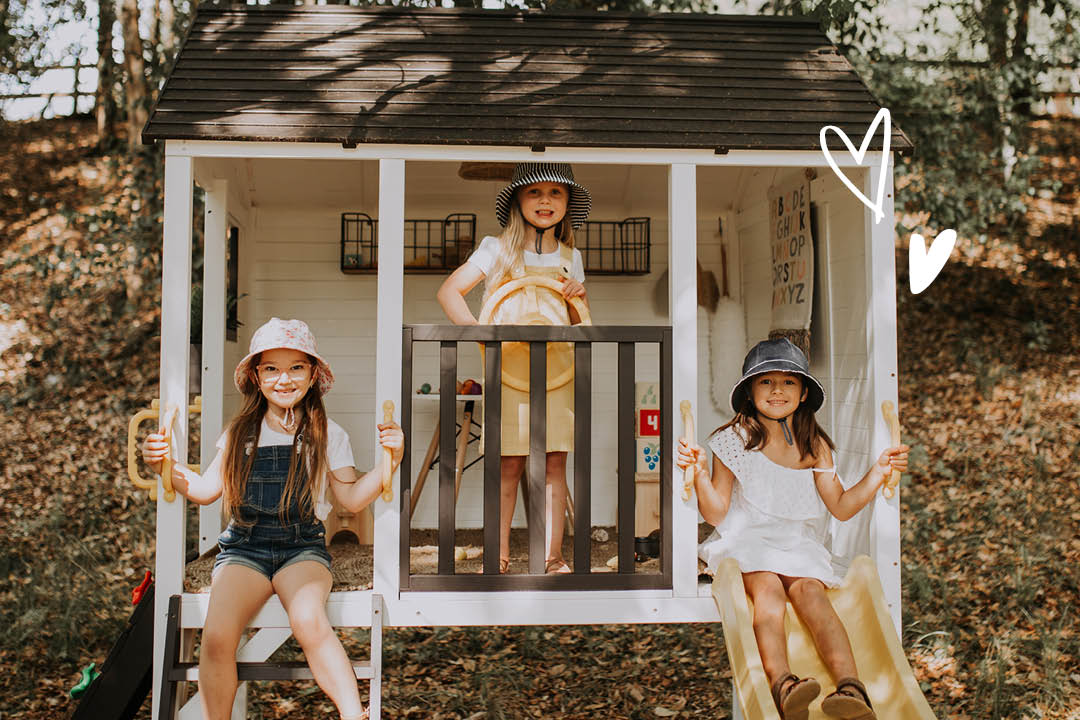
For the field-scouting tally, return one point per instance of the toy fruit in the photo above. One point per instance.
(476, 389)
(466, 387)
(425, 388)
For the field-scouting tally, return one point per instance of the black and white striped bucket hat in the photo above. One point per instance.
(533, 172)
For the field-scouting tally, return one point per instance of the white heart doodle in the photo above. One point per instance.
(923, 267)
(882, 117)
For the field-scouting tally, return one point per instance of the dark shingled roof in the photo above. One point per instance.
(509, 77)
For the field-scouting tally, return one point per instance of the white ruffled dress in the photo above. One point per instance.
(776, 520)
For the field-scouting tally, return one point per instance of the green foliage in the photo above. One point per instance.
(962, 85)
(97, 284)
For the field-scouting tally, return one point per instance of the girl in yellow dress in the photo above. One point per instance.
(539, 211)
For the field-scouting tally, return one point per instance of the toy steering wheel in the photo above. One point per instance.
(532, 316)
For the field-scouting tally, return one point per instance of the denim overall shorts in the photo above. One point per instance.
(266, 545)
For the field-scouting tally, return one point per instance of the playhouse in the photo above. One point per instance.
(350, 160)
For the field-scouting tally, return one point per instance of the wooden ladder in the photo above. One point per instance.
(174, 671)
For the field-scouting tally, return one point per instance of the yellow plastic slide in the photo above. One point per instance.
(860, 603)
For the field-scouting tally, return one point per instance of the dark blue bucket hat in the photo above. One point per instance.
(778, 355)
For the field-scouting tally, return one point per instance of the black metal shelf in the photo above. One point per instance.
(608, 247)
(615, 247)
(431, 246)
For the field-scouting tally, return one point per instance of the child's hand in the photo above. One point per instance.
(572, 288)
(894, 458)
(155, 449)
(688, 455)
(391, 436)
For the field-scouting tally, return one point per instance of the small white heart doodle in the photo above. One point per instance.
(924, 266)
(882, 117)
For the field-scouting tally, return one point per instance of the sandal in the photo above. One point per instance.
(793, 696)
(556, 567)
(504, 565)
(849, 701)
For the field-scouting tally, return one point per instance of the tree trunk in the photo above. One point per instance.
(168, 29)
(135, 86)
(104, 102)
(155, 29)
(1025, 87)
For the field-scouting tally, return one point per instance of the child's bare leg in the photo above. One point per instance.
(770, 604)
(511, 469)
(817, 613)
(556, 506)
(303, 589)
(236, 594)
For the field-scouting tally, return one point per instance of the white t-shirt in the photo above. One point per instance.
(484, 258)
(338, 455)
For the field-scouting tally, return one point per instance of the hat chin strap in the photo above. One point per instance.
(787, 430)
(540, 233)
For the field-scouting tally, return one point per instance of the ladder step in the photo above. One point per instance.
(266, 671)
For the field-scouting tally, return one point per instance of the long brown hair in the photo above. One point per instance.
(242, 443)
(513, 241)
(804, 426)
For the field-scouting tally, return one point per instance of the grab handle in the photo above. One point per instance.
(688, 435)
(388, 456)
(888, 490)
(137, 419)
(132, 459)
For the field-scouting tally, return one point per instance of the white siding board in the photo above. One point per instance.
(322, 252)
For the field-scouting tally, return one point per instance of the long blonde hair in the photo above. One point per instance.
(513, 241)
(242, 443)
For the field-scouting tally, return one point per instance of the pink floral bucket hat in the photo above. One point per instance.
(291, 335)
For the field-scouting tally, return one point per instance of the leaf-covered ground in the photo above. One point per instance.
(990, 401)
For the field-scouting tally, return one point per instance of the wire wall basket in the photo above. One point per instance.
(615, 247)
(431, 246)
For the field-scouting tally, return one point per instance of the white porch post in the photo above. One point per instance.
(213, 346)
(389, 315)
(682, 289)
(175, 333)
(884, 385)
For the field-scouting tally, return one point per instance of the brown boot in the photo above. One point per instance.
(793, 696)
(849, 701)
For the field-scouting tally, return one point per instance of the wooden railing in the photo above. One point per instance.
(584, 338)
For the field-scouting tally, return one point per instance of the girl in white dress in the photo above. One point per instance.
(772, 484)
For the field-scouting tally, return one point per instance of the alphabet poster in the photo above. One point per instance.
(792, 255)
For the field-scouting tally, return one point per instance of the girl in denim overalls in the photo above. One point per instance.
(274, 465)
(539, 210)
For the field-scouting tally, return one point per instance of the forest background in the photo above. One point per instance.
(989, 356)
